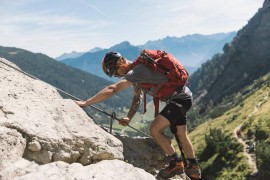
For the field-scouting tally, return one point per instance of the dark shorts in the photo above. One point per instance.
(175, 113)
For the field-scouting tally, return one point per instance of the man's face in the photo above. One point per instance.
(120, 68)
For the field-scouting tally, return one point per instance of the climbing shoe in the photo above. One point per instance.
(174, 168)
(193, 171)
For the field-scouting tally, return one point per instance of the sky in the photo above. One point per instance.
(54, 27)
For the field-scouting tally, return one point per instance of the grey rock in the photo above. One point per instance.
(52, 128)
(12, 146)
(104, 170)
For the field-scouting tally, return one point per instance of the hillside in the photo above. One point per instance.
(232, 105)
(74, 81)
(221, 155)
(244, 60)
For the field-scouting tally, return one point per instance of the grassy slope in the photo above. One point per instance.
(254, 113)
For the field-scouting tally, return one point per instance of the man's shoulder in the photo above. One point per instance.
(139, 65)
(137, 73)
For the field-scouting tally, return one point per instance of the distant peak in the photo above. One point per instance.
(122, 45)
(95, 49)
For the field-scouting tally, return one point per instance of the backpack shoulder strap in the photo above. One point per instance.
(134, 63)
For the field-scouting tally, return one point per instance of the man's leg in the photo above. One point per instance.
(175, 166)
(193, 169)
(185, 141)
(156, 129)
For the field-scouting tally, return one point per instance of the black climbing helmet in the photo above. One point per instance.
(109, 62)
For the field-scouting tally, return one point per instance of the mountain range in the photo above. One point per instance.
(191, 50)
(75, 54)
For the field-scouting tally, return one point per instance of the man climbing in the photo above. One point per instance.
(146, 79)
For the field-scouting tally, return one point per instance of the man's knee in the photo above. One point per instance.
(154, 130)
(158, 125)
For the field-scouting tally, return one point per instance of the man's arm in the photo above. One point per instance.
(136, 101)
(106, 93)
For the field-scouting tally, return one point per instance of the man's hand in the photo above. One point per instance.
(81, 103)
(124, 121)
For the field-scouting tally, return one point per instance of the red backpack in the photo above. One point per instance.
(167, 64)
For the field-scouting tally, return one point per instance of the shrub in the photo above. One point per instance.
(263, 159)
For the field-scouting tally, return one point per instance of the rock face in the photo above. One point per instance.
(143, 153)
(52, 128)
(12, 146)
(100, 171)
(146, 154)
